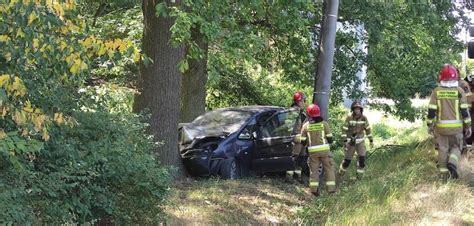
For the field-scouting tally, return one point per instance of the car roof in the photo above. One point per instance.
(253, 109)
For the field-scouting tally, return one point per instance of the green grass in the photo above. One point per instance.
(401, 186)
(387, 194)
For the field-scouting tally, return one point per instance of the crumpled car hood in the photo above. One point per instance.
(190, 132)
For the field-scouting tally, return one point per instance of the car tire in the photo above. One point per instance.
(230, 169)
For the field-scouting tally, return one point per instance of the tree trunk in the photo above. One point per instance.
(159, 82)
(322, 84)
(193, 87)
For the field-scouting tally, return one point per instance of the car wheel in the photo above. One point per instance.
(230, 169)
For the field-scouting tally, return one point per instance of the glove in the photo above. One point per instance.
(467, 132)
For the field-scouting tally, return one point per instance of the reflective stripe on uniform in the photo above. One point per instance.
(359, 140)
(331, 183)
(323, 136)
(316, 148)
(315, 127)
(299, 138)
(454, 157)
(329, 135)
(443, 170)
(357, 122)
(433, 106)
(464, 106)
(467, 120)
(449, 123)
(456, 104)
(313, 184)
(439, 109)
(345, 128)
(360, 171)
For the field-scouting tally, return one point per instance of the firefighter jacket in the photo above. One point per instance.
(317, 135)
(448, 110)
(354, 128)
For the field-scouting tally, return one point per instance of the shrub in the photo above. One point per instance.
(100, 170)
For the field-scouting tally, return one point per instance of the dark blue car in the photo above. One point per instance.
(234, 142)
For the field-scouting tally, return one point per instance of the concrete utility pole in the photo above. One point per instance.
(322, 83)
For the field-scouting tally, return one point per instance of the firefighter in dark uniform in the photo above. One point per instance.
(470, 101)
(448, 116)
(299, 153)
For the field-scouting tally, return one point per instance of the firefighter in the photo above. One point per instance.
(448, 116)
(298, 153)
(470, 100)
(317, 136)
(464, 85)
(353, 137)
(298, 102)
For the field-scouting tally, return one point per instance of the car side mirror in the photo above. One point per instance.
(246, 135)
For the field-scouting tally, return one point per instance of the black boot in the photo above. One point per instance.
(315, 193)
(453, 171)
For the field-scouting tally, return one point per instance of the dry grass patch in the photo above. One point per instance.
(252, 201)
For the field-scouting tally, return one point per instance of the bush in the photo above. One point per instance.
(382, 130)
(337, 117)
(100, 170)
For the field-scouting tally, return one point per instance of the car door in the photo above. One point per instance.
(273, 145)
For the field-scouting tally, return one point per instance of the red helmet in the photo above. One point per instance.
(448, 73)
(313, 110)
(298, 96)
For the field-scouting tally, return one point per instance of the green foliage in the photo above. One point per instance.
(100, 169)
(382, 130)
(122, 23)
(407, 45)
(70, 153)
(256, 49)
(337, 117)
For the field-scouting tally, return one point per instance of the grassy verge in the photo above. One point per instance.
(401, 186)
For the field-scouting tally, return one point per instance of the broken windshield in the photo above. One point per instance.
(226, 121)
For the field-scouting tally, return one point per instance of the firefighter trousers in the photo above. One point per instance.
(349, 151)
(449, 153)
(324, 158)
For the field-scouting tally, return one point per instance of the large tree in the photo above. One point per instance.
(160, 79)
(193, 87)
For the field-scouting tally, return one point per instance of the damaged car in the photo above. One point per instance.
(238, 141)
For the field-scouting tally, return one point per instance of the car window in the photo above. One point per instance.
(280, 125)
(264, 117)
